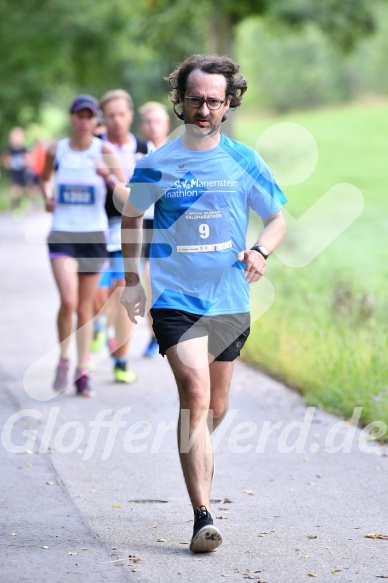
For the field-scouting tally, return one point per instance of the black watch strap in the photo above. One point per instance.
(260, 249)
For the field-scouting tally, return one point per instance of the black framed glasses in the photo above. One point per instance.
(212, 104)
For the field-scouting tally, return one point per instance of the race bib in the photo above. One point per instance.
(71, 194)
(203, 231)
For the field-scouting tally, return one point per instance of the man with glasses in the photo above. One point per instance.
(203, 185)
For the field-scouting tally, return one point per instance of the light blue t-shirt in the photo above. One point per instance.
(202, 202)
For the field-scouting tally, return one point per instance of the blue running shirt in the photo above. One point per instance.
(202, 202)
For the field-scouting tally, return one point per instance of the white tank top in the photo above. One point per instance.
(79, 190)
(128, 157)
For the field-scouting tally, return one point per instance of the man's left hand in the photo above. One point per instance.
(255, 267)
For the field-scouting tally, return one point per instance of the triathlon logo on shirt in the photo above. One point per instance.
(187, 186)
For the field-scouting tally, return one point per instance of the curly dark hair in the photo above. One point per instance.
(236, 85)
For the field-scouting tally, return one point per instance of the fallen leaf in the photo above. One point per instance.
(49, 483)
(45, 547)
(71, 553)
(183, 543)
(136, 559)
(250, 492)
(382, 536)
(225, 575)
(136, 570)
(116, 505)
(312, 536)
(152, 526)
(336, 571)
(161, 540)
(312, 574)
(14, 534)
(305, 556)
(382, 576)
(297, 549)
(85, 549)
(264, 532)
(180, 573)
(223, 509)
(29, 465)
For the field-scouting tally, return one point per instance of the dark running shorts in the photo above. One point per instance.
(148, 226)
(18, 177)
(88, 248)
(226, 334)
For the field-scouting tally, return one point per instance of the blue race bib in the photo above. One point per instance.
(72, 194)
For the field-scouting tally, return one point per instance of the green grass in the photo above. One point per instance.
(326, 332)
(4, 194)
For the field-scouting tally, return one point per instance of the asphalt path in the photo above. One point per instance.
(92, 490)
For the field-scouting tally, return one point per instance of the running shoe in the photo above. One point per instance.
(152, 349)
(81, 381)
(97, 342)
(60, 381)
(124, 375)
(206, 536)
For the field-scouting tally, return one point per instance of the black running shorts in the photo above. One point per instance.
(226, 333)
(88, 248)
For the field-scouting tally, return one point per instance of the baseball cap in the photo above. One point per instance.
(85, 102)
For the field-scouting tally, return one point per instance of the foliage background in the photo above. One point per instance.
(298, 53)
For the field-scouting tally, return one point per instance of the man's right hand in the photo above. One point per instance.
(133, 299)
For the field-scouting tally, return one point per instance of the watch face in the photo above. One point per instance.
(263, 250)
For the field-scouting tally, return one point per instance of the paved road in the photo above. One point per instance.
(92, 489)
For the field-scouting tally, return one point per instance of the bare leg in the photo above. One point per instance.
(87, 289)
(16, 195)
(220, 377)
(100, 299)
(123, 326)
(203, 392)
(66, 278)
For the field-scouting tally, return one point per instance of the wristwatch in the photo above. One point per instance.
(261, 249)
